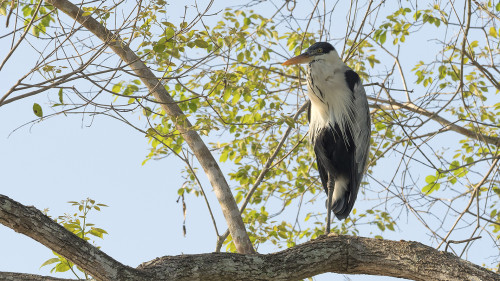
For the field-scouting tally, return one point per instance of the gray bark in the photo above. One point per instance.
(340, 254)
(193, 139)
(13, 276)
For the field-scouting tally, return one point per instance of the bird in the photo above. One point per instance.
(339, 125)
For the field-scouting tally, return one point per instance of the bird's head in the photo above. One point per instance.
(319, 50)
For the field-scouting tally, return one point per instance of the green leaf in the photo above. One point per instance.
(240, 57)
(159, 48)
(117, 88)
(223, 157)
(193, 106)
(200, 43)
(169, 32)
(430, 179)
(37, 109)
(50, 261)
(62, 267)
(390, 226)
(307, 217)
(431, 187)
(383, 37)
(493, 32)
(381, 226)
(96, 233)
(227, 94)
(236, 98)
(146, 111)
(60, 94)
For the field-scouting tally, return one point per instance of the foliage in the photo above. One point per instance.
(77, 224)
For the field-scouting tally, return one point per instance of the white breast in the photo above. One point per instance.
(331, 98)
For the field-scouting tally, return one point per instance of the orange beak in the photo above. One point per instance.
(302, 58)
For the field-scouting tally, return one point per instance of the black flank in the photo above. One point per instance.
(333, 154)
(351, 78)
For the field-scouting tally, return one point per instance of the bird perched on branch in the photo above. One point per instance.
(339, 125)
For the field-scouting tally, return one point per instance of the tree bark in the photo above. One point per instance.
(13, 276)
(205, 158)
(340, 254)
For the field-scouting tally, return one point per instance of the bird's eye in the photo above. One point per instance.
(319, 50)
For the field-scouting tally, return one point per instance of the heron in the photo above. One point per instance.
(339, 125)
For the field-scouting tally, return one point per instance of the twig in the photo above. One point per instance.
(460, 242)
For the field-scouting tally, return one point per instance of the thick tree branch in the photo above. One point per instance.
(206, 159)
(14, 276)
(340, 254)
(32, 223)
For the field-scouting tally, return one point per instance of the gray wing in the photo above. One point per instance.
(361, 137)
(362, 129)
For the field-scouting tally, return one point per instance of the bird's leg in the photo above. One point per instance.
(329, 206)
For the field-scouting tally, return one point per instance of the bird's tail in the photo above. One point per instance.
(340, 199)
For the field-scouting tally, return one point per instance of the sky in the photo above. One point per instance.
(70, 158)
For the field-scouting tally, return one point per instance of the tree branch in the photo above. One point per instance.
(445, 123)
(13, 276)
(340, 254)
(32, 223)
(206, 159)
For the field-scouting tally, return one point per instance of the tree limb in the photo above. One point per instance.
(340, 254)
(14, 276)
(31, 222)
(205, 158)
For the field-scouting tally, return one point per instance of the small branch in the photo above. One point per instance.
(486, 10)
(460, 242)
(22, 36)
(453, 127)
(474, 194)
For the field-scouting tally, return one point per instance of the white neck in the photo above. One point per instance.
(331, 99)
